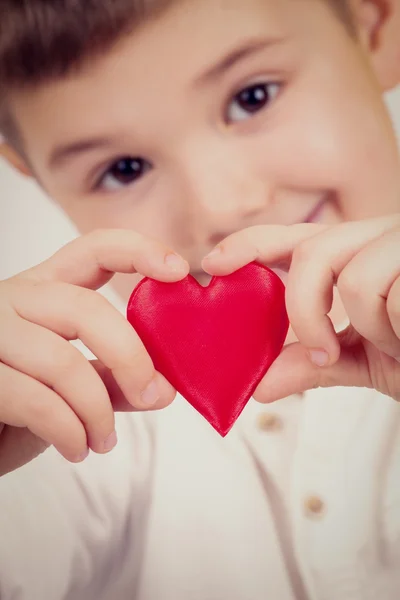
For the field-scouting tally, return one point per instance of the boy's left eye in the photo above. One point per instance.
(251, 100)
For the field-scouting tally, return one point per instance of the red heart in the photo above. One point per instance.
(213, 344)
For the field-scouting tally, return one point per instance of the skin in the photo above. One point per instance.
(290, 185)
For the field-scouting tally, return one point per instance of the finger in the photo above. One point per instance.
(78, 313)
(118, 399)
(364, 287)
(44, 356)
(91, 260)
(25, 402)
(293, 373)
(393, 308)
(318, 255)
(316, 265)
(270, 245)
(274, 244)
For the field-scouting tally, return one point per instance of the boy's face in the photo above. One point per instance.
(215, 117)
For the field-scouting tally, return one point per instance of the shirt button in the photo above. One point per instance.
(269, 422)
(314, 506)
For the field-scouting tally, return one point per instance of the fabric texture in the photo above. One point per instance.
(213, 344)
(176, 512)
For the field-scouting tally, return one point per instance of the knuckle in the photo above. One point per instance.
(49, 289)
(90, 243)
(130, 350)
(103, 424)
(377, 335)
(89, 300)
(136, 359)
(306, 252)
(386, 345)
(96, 236)
(349, 285)
(66, 362)
(251, 235)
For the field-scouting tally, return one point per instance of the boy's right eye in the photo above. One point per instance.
(123, 172)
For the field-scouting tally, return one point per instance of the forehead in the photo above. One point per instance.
(193, 33)
(164, 55)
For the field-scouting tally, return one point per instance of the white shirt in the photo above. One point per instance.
(300, 501)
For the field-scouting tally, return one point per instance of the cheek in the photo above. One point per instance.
(143, 215)
(352, 153)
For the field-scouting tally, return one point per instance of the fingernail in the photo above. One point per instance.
(150, 394)
(214, 252)
(83, 456)
(111, 441)
(398, 359)
(174, 262)
(319, 357)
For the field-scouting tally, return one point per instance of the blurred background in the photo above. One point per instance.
(31, 226)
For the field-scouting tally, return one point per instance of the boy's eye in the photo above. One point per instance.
(251, 100)
(124, 172)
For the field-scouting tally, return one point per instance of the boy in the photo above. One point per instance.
(256, 127)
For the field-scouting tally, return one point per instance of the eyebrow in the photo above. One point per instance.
(248, 48)
(63, 153)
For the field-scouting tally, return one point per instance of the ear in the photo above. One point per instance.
(378, 23)
(14, 159)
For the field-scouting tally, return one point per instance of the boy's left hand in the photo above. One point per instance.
(362, 259)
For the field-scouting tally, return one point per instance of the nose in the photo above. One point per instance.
(221, 195)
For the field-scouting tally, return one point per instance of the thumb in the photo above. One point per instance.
(294, 373)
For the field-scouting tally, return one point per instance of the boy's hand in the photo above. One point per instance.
(362, 259)
(49, 392)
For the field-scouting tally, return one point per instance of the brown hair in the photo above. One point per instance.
(42, 40)
(46, 39)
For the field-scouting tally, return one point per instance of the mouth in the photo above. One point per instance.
(313, 216)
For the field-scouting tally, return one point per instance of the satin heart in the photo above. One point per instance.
(214, 344)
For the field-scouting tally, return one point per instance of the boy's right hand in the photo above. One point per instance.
(50, 394)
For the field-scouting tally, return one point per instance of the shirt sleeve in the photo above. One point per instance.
(74, 532)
